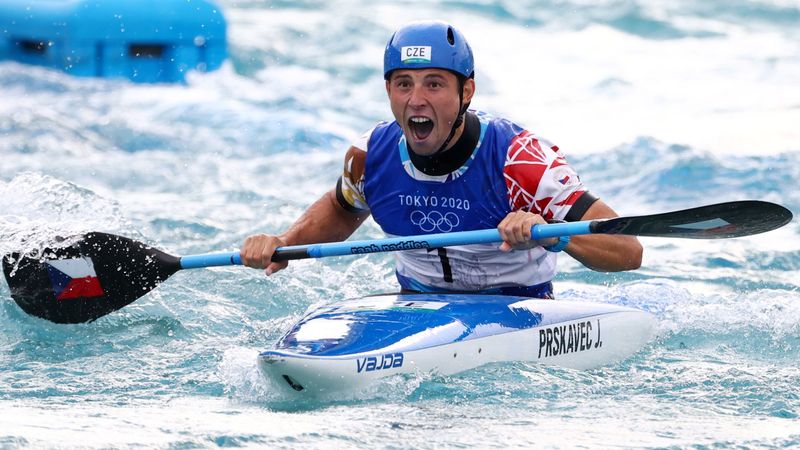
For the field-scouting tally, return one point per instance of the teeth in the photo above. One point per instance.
(420, 119)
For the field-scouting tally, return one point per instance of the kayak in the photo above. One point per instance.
(352, 344)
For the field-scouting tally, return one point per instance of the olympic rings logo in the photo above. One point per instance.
(435, 220)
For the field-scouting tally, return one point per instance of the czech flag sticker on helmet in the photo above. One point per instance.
(415, 54)
(74, 278)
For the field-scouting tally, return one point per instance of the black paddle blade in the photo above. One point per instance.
(723, 220)
(99, 274)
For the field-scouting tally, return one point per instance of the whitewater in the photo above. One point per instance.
(658, 105)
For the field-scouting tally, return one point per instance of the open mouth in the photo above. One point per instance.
(421, 127)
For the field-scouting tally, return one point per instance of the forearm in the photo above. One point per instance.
(606, 253)
(324, 221)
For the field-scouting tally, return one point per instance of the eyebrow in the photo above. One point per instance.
(435, 75)
(425, 78)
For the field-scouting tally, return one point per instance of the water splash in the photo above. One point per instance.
(39, 210)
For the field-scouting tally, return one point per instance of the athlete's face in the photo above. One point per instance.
(425, 104)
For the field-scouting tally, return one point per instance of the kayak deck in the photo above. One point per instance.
(352, 343)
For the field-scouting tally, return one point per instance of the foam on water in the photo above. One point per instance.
(659, 106)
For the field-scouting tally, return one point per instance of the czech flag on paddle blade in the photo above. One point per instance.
(74, 278)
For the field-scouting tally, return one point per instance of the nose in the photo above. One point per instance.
(417, 97)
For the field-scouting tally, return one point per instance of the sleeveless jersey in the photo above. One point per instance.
(509, 169)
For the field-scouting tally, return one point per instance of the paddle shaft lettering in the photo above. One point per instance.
(373, 363)
(410, 244)
(572, 338)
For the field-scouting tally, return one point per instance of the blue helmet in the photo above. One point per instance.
(428, 45)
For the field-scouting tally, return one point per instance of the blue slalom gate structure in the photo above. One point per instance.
(148, 41)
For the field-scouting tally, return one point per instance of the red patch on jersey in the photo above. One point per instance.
(526, 163)
(571, 199)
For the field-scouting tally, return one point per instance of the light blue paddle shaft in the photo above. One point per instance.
(211, 260)
(388, 245)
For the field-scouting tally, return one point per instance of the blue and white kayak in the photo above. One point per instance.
(351, 344)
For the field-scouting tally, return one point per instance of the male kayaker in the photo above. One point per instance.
(440, 167)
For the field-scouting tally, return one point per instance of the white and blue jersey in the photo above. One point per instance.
(508, 169)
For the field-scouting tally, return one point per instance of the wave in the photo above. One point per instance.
(655, 174)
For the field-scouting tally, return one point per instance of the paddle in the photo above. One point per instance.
(101, 273)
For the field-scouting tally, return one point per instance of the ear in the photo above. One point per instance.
(469, 90)
(387, 88)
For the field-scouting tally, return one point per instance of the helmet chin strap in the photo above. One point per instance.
(462, 108)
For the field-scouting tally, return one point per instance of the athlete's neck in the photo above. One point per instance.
(450, 159)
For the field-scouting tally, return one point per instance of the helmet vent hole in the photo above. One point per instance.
(451, 36)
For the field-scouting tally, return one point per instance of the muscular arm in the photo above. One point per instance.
(324, 221)
(605, 253)
(602, 252)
